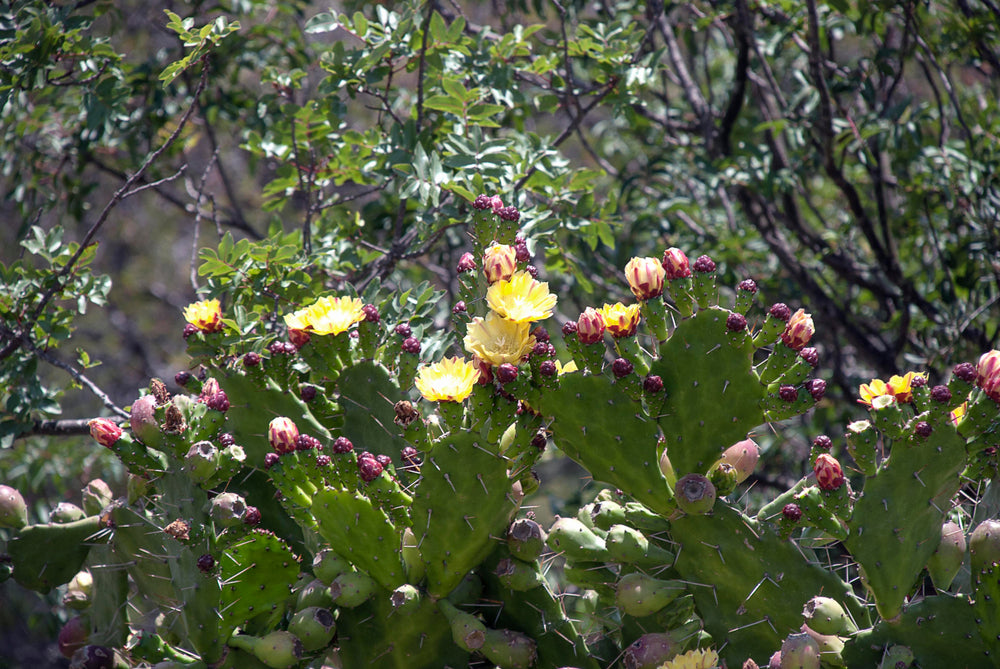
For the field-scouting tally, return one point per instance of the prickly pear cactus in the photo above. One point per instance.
(339, 490)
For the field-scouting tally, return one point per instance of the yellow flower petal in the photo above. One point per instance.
(701, 658)
(620, 321)
(497, 340)
(450, 380)
(327, 315)
(521, 298)
(205, 315)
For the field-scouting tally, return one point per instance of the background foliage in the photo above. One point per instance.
(843, 154)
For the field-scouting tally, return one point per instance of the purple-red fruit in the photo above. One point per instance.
(703, 264)
(252, 516)
(810, 355)
(736, 322)
(650, 651)
(371, 313)
(251, 359)
(923, 429)
(307, 393)
(218, 402)
(823, 443)
(342, 445)
(459, 308)
(73, 636)
(792, 513)
(305, 442)
(788, 393)
(781, 311)
(506, 373)
(548, 368)
(271, 459)
(748, 285)
(403, 330)
(816, 388)
(652, 384)
(621, 368)
(568, 328)
(965, 371)
(369, 469)
(411, 346)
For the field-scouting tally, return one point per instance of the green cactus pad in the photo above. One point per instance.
(256, 574)
(368, 395)
(460, 509)
(759, 582)
(605, 431)
(897, 520)
(940, 630)
(48, 555)
(361, 533)
(373, 635)
(713, 394)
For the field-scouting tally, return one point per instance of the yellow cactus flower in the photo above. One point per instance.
(871, 390)
(568, 368)
(205, 315)
(450, 380)
(620, 321)
(521, 298)
(701, 658)
(327, 315)
(645, 277)
(497, 340)
(499, 262)
(898, 387)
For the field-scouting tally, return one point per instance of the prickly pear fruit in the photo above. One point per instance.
(509, 650)
(897, 657)
(826, 616)
(93, 657)
(13, 510)
(142, 420)
(799, 651)
(73, 635)
(352, 588)
(314, 627)
(228, 509)
(79, 590)
(519, 575)
(96, 495)
(984, 545)
(831, 647)
(630, 546)
(328, 565)
(576, 540)
(315, 593)
(201, 461)
(405, 599)
(638, 594)
(724, 477)
(650, 651)
(525, 539)
(944, 564)
(743, 456)
(467, 631)
(278, 650)
(695, 494)
(66, 512)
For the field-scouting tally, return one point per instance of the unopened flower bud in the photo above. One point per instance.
(799, 330)
(403, 330)
(182, 378)
(816, 388)
(748, 285)
(652, 384)
(371, 313)
(322, 460)
(467, 263)
(510, 214)
(736, 322)
(459, 308)
(506, 373)
(780, 311)
(965, 371)
(218, 402)
(823, 443)
(548, 368)
(305, 442)
(369, 469)
(568, 328)
(810, 355)
(788, 393)
(645, 277)
(481, 202)
(792, 512)
(704, 265)
(251, 359)
(496, 204)
(307, 392)
(621, 368)
(590, 326)
(105, 432)
(206, 563)
(675, 264)
(252, 516)
(923, 429)
(410, 456)
(282, 434)
(188, 330)
(521, 252)
(411, 346)
(540, 334)
(941, 394)
(271, 459)
(532, 271)
(342, 445)
(499, 262)
(829, 475)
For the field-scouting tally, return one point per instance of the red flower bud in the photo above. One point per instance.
(799, 330)
(590, 326)
(829, 475)
(675, 264)
(105, 432)
(466, 263)
(282, 434)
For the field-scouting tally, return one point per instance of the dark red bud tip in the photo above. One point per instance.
(411, 345)
(353, 334)
(703, 264)
(481, 202)
(270, 460)
(788, 393)
(532, 270)
(749, 285)
(410, 456)
(941, 394)
(206, 563)
(467, 263)
(568, 328)
(823, 442)
(652, 384)
(519, 239)
(218, 402)
(541, 349)
(371, 313)
(551, 351)
(548, 368)
(966, 371)
(541, 334)
(621, 368)
(459, 308)
(182, 378)
(225, 439)
(342, 445)
(277, 348)
(369, 469)
(539, 441)
(810, 355)
(189, 329)
(403, 330)
(923, 429)
(736, 322)
(305, 442)
(251, 516)
(322, 460)
(792, 513)
(918, 381)
(829, 474)
(781, 311)
(521, 253)
(251, 359)
(816, 388)
(383, 460)
(506, 373)
(307, 393)
(510, 214)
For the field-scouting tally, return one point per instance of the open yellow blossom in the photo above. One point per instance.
(521, 298)
(327, 315)
(498, 340)
(620, 321)
(701, 658)
(450, 380)
(568, 368)
(205, 315)
(899, 387)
